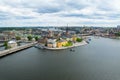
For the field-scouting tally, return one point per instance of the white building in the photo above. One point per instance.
(12, 44)
(52, 41)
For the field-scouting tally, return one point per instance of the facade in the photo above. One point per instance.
(61, 43)
(12, 44)
(43, 40)
(51, 43)
(74, 38)
(69, 39)
(3, 37)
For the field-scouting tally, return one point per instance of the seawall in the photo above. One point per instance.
(15, 49)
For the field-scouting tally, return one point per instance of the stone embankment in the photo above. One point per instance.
(15, 49)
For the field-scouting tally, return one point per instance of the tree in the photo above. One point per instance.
(36, 38)
(79, 39)
(18, 38)
(117, 34)
(69, 43)
(29, 38)
(6, 45)
(58, 39)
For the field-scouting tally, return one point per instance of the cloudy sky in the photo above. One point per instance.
(59, 12)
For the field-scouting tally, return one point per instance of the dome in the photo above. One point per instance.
(12, 42)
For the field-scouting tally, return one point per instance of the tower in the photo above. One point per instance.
(67, 30)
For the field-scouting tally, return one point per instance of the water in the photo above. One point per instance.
(2, 48)
(99, 60)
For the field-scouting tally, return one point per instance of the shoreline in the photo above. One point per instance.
(15, 49)
(74, 45)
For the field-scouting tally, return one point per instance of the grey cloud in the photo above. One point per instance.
(55, 8)
(84, 16)
(4, 16)
(24, 17)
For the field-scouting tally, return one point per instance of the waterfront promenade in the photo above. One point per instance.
(15, 49)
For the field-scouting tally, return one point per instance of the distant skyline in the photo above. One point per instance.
(104, 13)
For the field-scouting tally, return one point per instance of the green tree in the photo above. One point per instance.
(117, 34)
(69, 43)
(79, 39)
(36, 38)
(18, 38)
(29, 38)
(6, 45)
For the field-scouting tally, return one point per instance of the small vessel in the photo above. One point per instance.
(87, 42)
(39, 46)
(89, 39)
(72, 50)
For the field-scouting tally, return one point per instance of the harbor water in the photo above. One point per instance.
(99, 60)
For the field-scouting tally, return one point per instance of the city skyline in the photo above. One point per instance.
(59, 13)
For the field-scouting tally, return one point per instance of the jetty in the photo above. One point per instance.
(16, 49)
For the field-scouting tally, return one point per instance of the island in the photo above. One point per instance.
(57, 40)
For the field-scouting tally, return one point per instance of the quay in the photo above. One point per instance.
(74, 45)
(15, 49)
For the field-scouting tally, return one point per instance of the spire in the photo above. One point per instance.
(67, 30)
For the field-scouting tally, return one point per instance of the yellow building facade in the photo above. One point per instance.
(61, 43)
(74, 38)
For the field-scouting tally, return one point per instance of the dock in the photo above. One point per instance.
(16, 49)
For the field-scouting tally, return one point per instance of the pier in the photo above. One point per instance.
(15, 49)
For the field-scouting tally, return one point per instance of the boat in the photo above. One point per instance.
(87, 42)
(89, 39)
(39, 46)
(72, 50)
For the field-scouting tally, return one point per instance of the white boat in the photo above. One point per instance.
(39, 46)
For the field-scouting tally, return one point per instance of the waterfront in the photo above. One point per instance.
(99, 60)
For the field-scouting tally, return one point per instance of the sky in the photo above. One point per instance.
(105, 13)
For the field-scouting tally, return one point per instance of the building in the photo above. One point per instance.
(118, 26)
(74, 38)
(61, 43)
(51, 43)
(50, 33)
(43, 40)
(12, 44)
(3, 37)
